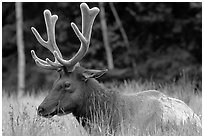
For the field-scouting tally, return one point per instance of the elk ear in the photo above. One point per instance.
(89, 73)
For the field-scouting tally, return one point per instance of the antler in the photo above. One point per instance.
(88, 16)
(50, 21)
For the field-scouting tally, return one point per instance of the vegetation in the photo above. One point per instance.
(164, 40)
(153, 45)
(19, 115)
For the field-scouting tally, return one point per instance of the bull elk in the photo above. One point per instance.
(78, 92)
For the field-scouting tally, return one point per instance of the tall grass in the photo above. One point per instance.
(19, 114)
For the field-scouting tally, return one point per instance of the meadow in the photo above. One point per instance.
(19, 114)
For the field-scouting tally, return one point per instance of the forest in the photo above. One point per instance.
(160, 42)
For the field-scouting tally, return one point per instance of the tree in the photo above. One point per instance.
(105, 36)
(164, 39)
(122, 30)
(20, 45)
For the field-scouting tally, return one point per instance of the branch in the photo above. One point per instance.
(122, 30)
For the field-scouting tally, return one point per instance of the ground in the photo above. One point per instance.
(19, 113)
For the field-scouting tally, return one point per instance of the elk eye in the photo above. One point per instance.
(67, 85)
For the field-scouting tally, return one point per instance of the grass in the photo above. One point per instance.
(19, 114)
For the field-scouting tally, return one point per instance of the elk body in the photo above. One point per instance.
(78, 92)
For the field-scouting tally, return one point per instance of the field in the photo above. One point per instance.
(19, 114)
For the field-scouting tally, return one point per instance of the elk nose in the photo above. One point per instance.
(40, 110)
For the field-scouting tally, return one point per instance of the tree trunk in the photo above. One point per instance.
(105, 36)
(122, 30)
(20, 47)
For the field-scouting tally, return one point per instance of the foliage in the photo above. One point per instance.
(165, 40)
(19, 115)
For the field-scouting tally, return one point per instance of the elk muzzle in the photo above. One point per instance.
(45, 113)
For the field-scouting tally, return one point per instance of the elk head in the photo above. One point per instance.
(67, 93)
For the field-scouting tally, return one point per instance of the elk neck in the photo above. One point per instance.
(97, 99)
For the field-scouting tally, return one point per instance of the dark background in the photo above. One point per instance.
(165, 42)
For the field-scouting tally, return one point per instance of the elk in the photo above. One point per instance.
(78, 92)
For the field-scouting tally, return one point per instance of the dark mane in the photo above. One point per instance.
(98, 101)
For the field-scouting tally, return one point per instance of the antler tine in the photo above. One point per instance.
(50, 21)
(40, 62)
(88, 16)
